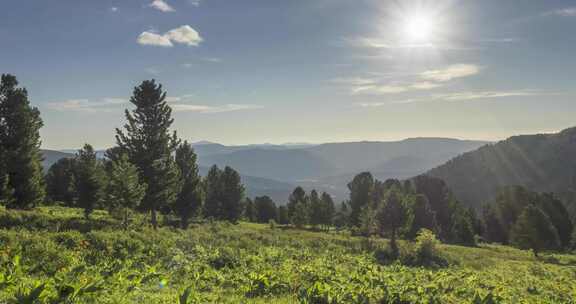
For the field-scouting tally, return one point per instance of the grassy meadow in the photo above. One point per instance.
(54, 255)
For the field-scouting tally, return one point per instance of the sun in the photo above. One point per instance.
(419, 27)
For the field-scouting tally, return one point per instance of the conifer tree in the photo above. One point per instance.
(493, 230)
(420, 217)
(298, 195)
(265, 209)
(249, 210)
(301, 215)
(213, 207)
(283, 218)
(316, 209)
(90, 181)
(21, 178)
(533, 230)
(391, 217)
(462, 230)
(361, 195)
(232, 195)
(189, 201)
(61, 182)
(124, 192)
(147, 140)
(328, 210)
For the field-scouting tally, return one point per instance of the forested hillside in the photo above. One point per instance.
(542, 162)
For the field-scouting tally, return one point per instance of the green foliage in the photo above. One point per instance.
(190, 198)
(61, 182)
(283, 218)
(149, 144)
(420, 216)
(21, 179)
(224, 194)
(391, 217)
(533, 230)
(361, 192)
(251, 263)
(90, 180)
(265, 209)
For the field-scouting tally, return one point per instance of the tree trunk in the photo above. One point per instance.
(153, 219)
(184, 222)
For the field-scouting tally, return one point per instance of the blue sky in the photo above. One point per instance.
(255, 71)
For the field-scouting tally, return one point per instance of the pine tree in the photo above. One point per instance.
(493, 230)
(89, 180)
(21, 178)
(391, 217)
(420, 217)
(149, 144)
(301, 215)
(61, 182)
(533, 230)
(265, 209)
(361, 195)
(249, 210)
(328, 210)
(124, 192)
(232, 195)
(189, 201)
(316, 209)
(462, 230)
(283, 218)
(213, 207)
(298, 195)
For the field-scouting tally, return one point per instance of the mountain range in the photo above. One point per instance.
(540, 162)
(275, 170)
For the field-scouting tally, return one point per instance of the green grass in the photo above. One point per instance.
(252, 263)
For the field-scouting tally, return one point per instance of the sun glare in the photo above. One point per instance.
(419, 28)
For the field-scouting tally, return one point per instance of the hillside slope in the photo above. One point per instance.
(541, 162)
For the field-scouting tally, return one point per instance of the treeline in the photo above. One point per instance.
(150, 170)
(528, 220)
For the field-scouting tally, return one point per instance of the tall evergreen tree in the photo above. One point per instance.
(559, 216)
(189, 201)
(420, 216)
(316, 209)
(462, 230)
(361, 195)
(298, 195)
(328, 210)
(232, 195)
(90, 181)
(61, 182)
(150, 145)
(21, 178)
(533, 230)
(265, 209)
(493, 230)
(438, 195)
(283, 218)
(213, 207)
(249, 210)
(301, 215)
(391, 217)
(124, 192)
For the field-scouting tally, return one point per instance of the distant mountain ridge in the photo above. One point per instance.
(541, 162)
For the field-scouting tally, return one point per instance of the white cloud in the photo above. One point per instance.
(195, 2)
(355, 81)
(162, 6)
(148, 38)
(85, 105)
(114, 9)
(184, 34)
(184, 107)
(212, 59)
(395, 88)
(451, 72)
(564, 12)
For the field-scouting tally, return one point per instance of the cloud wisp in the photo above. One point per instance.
(426, 80)
(162, 6)
(195, 108)
(457, 97)
(85, 105)
(184, 34)
(563, 12)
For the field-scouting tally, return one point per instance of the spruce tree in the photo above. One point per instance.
(249, 210)
(533, 230)
(124, 192)
(232, 195)
(298, 195)
(361, 195)
(213, 207)
(90, 180)
(61, 182)
(420, 217)
(391, 217)
(328, 210)
(21, 178)
(189, 201)
(265, 209)
(147, 140)
(316, 209)
(301, 215)
(493, 230)
(283, 218)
